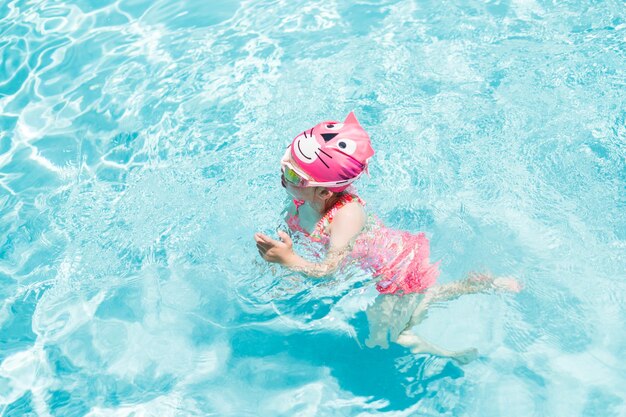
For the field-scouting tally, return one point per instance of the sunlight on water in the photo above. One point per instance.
(139, 148)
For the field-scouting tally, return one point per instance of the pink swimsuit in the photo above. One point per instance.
(400, 259)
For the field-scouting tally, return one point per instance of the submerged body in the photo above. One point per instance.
(398, 259)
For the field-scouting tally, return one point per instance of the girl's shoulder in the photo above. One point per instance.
(347, 207)
(347, 202)
(346, 222)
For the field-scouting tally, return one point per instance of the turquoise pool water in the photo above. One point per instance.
(139, 147)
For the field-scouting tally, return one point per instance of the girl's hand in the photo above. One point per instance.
(271, 250)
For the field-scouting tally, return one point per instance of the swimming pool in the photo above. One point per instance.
(139, 148)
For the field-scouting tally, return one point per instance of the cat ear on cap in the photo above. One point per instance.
(351, 119)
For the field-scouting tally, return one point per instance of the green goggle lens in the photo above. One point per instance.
(292, 177)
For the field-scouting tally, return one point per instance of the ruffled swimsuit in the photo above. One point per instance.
(399, 259)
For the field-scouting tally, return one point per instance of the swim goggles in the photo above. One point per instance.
(294, 175)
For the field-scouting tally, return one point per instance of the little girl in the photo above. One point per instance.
(317, 170)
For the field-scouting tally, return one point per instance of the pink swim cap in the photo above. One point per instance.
(333, 151)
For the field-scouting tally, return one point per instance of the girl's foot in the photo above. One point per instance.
(417, 345)
(507, 284)
(488, 281)
(465, 356)
(409, 340)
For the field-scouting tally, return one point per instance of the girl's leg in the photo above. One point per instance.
(473, 284)
(379, 315)
(418, 345)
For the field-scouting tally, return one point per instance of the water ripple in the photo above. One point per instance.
(138, 149)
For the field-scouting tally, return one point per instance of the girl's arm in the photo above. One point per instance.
(313, 269)
(346, 225)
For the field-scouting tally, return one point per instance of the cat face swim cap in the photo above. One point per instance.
(333, 151)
